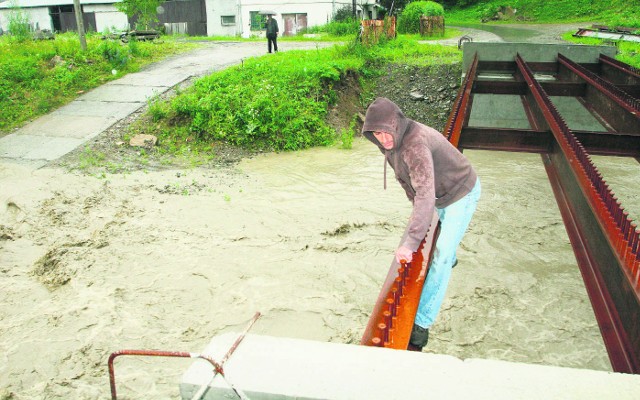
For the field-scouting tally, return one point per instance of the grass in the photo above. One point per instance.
(37, 77)
(275, 103)
(279, 102)
(610, 12)
(628, 52)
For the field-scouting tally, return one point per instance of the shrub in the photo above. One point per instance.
(19, 24)
(344, 14)
(277, 103)
(409, 20)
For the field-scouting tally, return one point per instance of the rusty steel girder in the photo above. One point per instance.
(603, 237)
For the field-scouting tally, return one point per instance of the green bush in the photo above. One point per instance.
(277, 103)
(19, 24)
(345, 13)
(409, 19)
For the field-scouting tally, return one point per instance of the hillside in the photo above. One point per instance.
(612, 12)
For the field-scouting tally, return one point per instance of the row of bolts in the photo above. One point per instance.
(393, 302)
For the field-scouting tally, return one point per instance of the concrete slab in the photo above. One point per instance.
(532, 52)
(576, 115)
(123, 93)
(64, 126)
(498, 111)
(29, 164)
(36, 147)
(158, 78)
(104, 109)
(265, 367)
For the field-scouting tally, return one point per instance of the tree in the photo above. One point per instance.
(396, 4)
(78, 11)
(344, 14)
(146, 10)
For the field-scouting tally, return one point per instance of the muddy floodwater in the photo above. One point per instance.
(167, 259)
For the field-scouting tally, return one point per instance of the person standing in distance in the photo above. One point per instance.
(436, 178)
(272, 33)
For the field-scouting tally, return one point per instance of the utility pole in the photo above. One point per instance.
(354, 9)
(80, 23)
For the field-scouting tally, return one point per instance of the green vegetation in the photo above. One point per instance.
(278, 102)
(18, 23)
(611, 12)
(409, 19)
(144, 9)
(36, 77)
(628, 52)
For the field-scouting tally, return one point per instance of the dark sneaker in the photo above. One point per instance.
(419, 338)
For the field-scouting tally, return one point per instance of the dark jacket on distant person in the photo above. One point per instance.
(272, 27)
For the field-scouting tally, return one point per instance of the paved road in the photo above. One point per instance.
(60, 132)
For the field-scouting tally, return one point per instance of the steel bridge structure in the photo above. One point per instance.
(565, 103)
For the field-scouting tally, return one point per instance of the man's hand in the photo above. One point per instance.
(404, 254)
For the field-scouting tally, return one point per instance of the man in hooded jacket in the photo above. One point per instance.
(436, 178)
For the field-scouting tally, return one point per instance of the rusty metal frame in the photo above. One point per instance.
(604, 240)
(217, 366)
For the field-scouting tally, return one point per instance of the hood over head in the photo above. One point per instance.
(383, 115)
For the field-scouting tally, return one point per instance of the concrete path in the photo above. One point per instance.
(58, 133)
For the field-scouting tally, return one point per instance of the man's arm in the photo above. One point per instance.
(420, 163)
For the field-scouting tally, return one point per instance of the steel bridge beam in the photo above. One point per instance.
(604, 240)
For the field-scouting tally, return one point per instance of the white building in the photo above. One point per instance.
(241, 17)
(56, 15)
(196, 17)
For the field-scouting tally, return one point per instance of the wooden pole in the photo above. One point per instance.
(80, 24)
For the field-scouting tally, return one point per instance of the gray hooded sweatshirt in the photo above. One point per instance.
(431, 170)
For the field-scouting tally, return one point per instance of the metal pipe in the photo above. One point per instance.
(217, 367)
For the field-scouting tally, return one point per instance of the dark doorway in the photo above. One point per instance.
(181, 16)
(63, 19)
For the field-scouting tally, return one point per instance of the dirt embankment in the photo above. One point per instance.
(425, 94)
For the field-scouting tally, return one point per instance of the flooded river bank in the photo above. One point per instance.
(167, 259)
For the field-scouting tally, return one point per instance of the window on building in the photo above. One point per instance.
(257, 21)
(228, 20)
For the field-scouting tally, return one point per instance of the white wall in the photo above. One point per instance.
(108, 17)
(318, 13)
(215, 11)
(38, 17)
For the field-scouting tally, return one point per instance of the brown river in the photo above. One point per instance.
(166, 260)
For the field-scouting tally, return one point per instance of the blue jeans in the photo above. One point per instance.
(454, 220)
